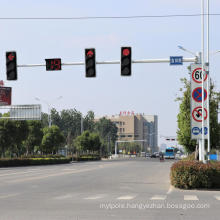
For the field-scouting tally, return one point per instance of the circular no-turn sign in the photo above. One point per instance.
(197, 114)
(197, 75)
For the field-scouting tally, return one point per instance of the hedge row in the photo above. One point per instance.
(87, 158)
(193, 174)
(44, 161)
(56, 156)
(32, 161)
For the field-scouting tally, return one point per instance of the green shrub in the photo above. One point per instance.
(43, 156)
(194, 174)
(87, 158)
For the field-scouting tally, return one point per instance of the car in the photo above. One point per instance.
(157, 154)
(148, 155)
(153, 155)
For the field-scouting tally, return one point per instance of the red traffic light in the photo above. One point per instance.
(126, 52)
(89, 53)
(11, 56)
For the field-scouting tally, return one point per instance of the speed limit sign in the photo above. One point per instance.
(197, 75)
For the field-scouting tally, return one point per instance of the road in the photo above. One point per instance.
(123, 189)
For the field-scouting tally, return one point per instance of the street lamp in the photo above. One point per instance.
(184, 49)
(49, 105)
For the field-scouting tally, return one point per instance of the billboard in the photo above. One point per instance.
(5, 95)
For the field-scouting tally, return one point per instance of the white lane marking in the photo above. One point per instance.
(8, 174)
(217, 197)
(95, 197)
(68, 169)
(8, 196)
(158, 197)
(190, 197)
(67, 196)
(126, 197)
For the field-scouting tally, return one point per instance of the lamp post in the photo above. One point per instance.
(49, 105)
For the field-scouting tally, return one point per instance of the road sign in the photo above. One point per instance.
(197, 75)
(196, 102)
(198, 131)
(5, 95)
(197, 114)
(21, 112)
(176, 60)
(197, 94)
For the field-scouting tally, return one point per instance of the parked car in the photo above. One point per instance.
(153, 155)
(148, 155)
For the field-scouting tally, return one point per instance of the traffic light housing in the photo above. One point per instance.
(126, 61)
(11, 65)
(90, 62)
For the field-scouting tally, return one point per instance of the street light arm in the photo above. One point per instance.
(184, 49)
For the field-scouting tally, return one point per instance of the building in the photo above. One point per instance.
(140, 127)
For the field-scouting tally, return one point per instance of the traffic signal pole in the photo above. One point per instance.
(185, 60)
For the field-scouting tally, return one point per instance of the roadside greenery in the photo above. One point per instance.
(35, 138)
(194, 174)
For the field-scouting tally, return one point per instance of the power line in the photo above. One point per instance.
(106, 17)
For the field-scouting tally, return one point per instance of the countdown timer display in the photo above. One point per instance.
(53, 64)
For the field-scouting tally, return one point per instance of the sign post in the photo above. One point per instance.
(199, 105)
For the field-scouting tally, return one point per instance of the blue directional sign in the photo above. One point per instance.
(176, 60)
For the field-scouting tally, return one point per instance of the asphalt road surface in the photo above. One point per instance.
(125, 189)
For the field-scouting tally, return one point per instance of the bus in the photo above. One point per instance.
(169, 153)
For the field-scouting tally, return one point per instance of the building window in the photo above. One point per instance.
(120, 129)
(123, 130)
(123, 123)
(129, 135)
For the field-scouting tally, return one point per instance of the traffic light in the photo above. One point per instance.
(90, 62)
(11, 65)
(126, 61)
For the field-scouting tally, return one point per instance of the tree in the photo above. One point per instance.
(53, 138)
(89, 121)
(20, 135)
(34, 137)
(107, 131)
(44, 119)
(88, 142)
(183, 118)
(7, 130)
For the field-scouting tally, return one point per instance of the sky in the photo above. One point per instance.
(152, 88)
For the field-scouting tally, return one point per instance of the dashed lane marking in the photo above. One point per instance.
(190, 198)
(158, 197)
(8, 195)
(126, 197)
(217, 197)
(67, 196)
(94, 197)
